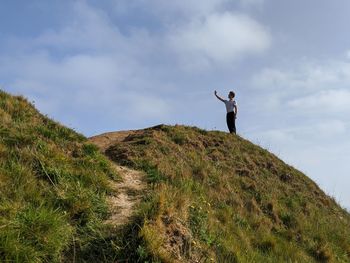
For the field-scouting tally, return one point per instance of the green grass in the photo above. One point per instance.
(53, 186)
(231, 200)
(213, 197)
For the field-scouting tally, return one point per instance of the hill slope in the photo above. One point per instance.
(53, 187)
(211, 197)
(216, 197)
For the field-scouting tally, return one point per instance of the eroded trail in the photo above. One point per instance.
(105, 140)
(128, 192)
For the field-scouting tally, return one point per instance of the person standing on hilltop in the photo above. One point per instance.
(231, 108)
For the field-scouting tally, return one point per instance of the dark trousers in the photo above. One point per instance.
(231, 122)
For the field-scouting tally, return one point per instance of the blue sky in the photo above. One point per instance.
(100, 66)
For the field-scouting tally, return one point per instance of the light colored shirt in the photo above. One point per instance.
(230, 104)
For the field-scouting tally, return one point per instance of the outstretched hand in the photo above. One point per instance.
(218, 97)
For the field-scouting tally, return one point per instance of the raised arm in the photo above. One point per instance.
(219, 98)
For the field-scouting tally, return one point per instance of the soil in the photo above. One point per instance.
(128, 191)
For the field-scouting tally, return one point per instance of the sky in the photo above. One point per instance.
(108, 65)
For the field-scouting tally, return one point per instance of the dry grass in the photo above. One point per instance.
(229, 201)
(214, 197)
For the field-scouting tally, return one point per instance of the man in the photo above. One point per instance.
(231, 108)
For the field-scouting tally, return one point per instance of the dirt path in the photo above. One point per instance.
(128, 192)
(105, 140)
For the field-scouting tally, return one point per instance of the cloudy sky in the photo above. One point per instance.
(108, 65)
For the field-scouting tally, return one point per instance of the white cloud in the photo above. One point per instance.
(99, 62)
(184, 7)
(168, 9)
(252, 2)
(325, 129)
(85, 84)
(334, 101)
(147, 106)
(221, 38)
(191, 7)
(99, 70)
(270, 78)
(304, 134)
(304, 76)
(306, 87)
(89, 30)
(205, 33)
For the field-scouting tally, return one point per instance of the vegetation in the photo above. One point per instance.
(213, 197)
(52, 188)
(216, 197)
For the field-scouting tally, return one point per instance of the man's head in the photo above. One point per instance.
(231, 95)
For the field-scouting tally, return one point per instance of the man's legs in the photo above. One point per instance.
(234, 124)
(230, 119)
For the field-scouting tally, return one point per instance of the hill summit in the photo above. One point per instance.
(215, 197)
(162, 194)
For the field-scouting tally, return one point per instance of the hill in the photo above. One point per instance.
(215, 197)
(171, 194)
(53, 188)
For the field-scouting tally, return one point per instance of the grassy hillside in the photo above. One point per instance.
(215, 197)
(52, 188)
(212, 197)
